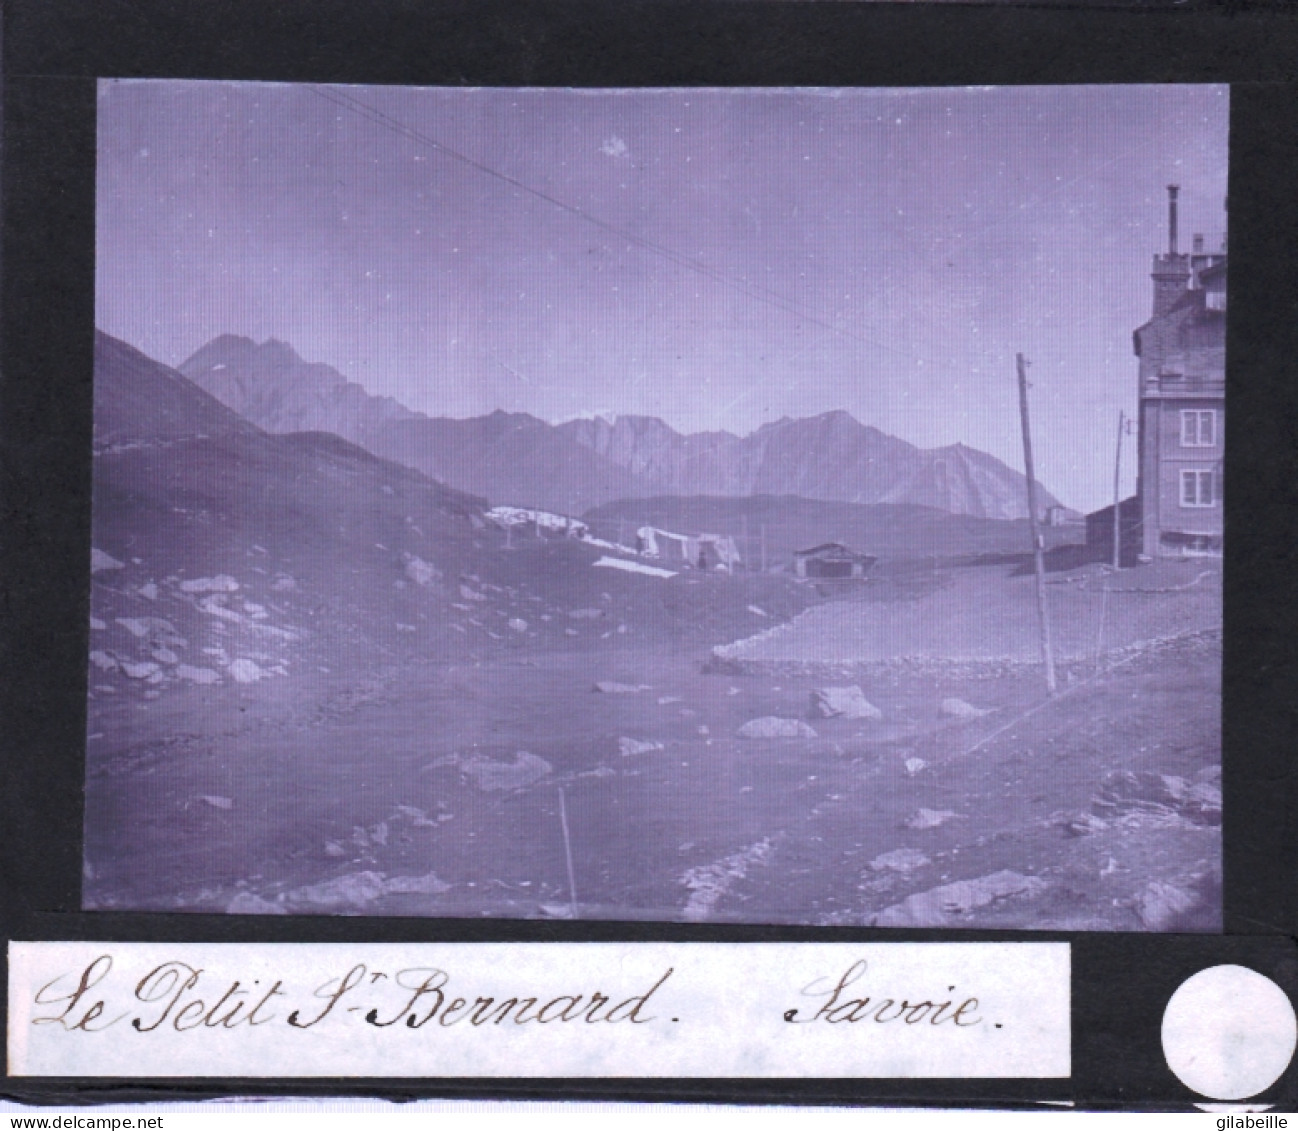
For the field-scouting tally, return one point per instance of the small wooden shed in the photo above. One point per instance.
(831, 561)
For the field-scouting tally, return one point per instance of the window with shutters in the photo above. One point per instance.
(1197, 488)
(1198, 427)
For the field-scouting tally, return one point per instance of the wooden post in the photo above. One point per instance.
(1117, 471)
(1038, 549)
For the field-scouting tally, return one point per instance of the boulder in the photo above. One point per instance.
(245, 671)
(900, 860)
(771, 726)
(610, 687)
(419, 571)
(1165, 797)
(930, 818)
(100, 561)
(842, 702)
(945, 906)
(959, 709)
(221, 583)
(416, 885)
(356, 889)
(630, 746)
(523, 770)
(197, 675)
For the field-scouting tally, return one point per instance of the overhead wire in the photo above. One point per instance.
(754, 291)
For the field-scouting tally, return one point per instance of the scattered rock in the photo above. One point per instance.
(842, 702)
(284, 584)
(141, 670)
(585, 614)
(1079, 824)
(165, 656)
(467, 594)
(216, 801)
(1162, 796)
(524, 770)
(152, 628)
(149, 591)
(1163, 906)
(900, 860)
(221, 583)
(99, 561)
(758, 612)
(914, 765)
(959, 709)
(245, 671)
(419, 571)
(710, 883)
(97, 625)
(355, 889)
(197, 675)
(665, 700)
(247, 903)
(518, 624)
(930, 818)
(628, 747)
(609, 687)
(416, 885)
(944, 906)
(333, 848)
(771, 726)
(103, 661)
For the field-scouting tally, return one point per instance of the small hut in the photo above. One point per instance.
(831, 561)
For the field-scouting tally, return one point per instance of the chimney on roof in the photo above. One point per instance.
(1172, 191)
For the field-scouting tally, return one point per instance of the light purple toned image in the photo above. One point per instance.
(795, 506)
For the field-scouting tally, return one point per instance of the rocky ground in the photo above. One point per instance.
(916, 786)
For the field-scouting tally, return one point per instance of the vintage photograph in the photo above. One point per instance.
(792, 506)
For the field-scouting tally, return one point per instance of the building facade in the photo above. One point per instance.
(1182, 352)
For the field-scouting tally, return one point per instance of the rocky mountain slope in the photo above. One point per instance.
(831, 458)
(517, 459)
(273, 387)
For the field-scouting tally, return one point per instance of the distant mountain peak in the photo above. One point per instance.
(272, 386)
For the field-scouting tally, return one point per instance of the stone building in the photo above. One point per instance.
(1182, 352)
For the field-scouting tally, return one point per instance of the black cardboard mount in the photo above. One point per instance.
(53, 52)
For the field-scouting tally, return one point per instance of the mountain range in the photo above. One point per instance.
(572, 467)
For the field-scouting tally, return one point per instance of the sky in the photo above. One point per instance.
(717, 258)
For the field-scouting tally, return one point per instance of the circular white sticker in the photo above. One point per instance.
(1229, 1032)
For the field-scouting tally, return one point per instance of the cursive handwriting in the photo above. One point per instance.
(178, 997)
(882, 1010)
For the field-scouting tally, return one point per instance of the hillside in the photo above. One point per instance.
(789, 523)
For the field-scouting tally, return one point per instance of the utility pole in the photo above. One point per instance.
(1038, 549)
(1117, 472)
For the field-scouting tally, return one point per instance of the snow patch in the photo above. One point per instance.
(634, 567)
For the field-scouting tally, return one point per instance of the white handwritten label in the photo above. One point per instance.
(828, 1010)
